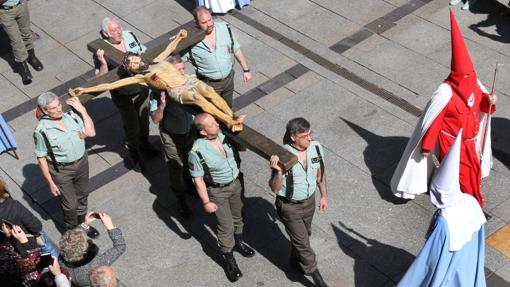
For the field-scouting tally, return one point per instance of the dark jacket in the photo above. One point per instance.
(14, 212)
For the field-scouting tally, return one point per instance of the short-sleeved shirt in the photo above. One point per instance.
(131, 44)
(176, 119)
(305, 180)
(214, 64)
(66, 145)
(223, 169)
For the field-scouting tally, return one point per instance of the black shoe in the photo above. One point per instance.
(294, 264)
(184, 210)
(317, 279)
(232, 270)
(90, 231)
(242, 248)
(134, 159)
(147, 147)
(26, 76)
(487, 215)
(33, 61)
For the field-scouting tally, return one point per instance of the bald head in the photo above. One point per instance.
(206, 126)
(103, 276)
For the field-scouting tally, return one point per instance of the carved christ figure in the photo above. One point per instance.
(161, 75)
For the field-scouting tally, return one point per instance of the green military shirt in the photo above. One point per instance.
(176, 119)
(66, 145)
(305, 180)
(214, 64)
(223, 169)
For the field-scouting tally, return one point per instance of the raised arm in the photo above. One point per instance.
(171, 46)
(137, 79)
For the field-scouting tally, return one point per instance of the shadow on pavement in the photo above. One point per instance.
(265, 236)
(493, 9)
(381, 156)
(388, 260)
(165, 207)
(501, 140)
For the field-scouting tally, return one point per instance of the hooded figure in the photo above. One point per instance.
(453, 254)
(461, 102)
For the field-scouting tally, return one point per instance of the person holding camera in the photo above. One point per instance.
(81, 255)
(19, 255)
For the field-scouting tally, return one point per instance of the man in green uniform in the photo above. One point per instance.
(214, 56)
(60, 151)
(132, 101)
(215, 174)
(174, 127)
(295, 193)
(15, 20)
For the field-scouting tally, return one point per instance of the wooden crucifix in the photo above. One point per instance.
(248, 137)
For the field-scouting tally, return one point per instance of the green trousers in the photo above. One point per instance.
(176, 148)
(229, 213)
(72, 181)
(297, 219)
(16, 23)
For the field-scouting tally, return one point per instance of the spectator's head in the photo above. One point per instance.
(4, 194)
(47, 279)
(102, 276)
(177, 61)
(203, 19)
(74, 246)
(111, 30)
(206, 126)
(50, 105)
(298, 133)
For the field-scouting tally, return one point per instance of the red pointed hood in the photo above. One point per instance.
(462, 78)
(461, 61)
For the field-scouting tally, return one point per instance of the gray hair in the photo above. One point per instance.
(174, 59)
(45, 98)
(100, 277)
(104, 24)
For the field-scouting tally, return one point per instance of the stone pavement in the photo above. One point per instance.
(360, 71)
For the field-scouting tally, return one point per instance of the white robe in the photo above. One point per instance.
(413, 172)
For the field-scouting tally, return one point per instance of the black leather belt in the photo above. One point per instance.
(290, 200)
(67, 163)
(206, 79)
(218, 185)
(11, 7)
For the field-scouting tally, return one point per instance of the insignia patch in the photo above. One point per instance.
(316, 159)
(471, 100)
(132, 44)
(191, 166)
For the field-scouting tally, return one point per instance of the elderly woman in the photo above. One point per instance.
(80, 255)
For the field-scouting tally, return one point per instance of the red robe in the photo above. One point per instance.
(456, 115)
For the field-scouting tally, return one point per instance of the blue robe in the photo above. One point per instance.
(437, 266)
(7, 141)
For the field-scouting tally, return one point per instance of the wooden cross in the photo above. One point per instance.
(248, 137)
